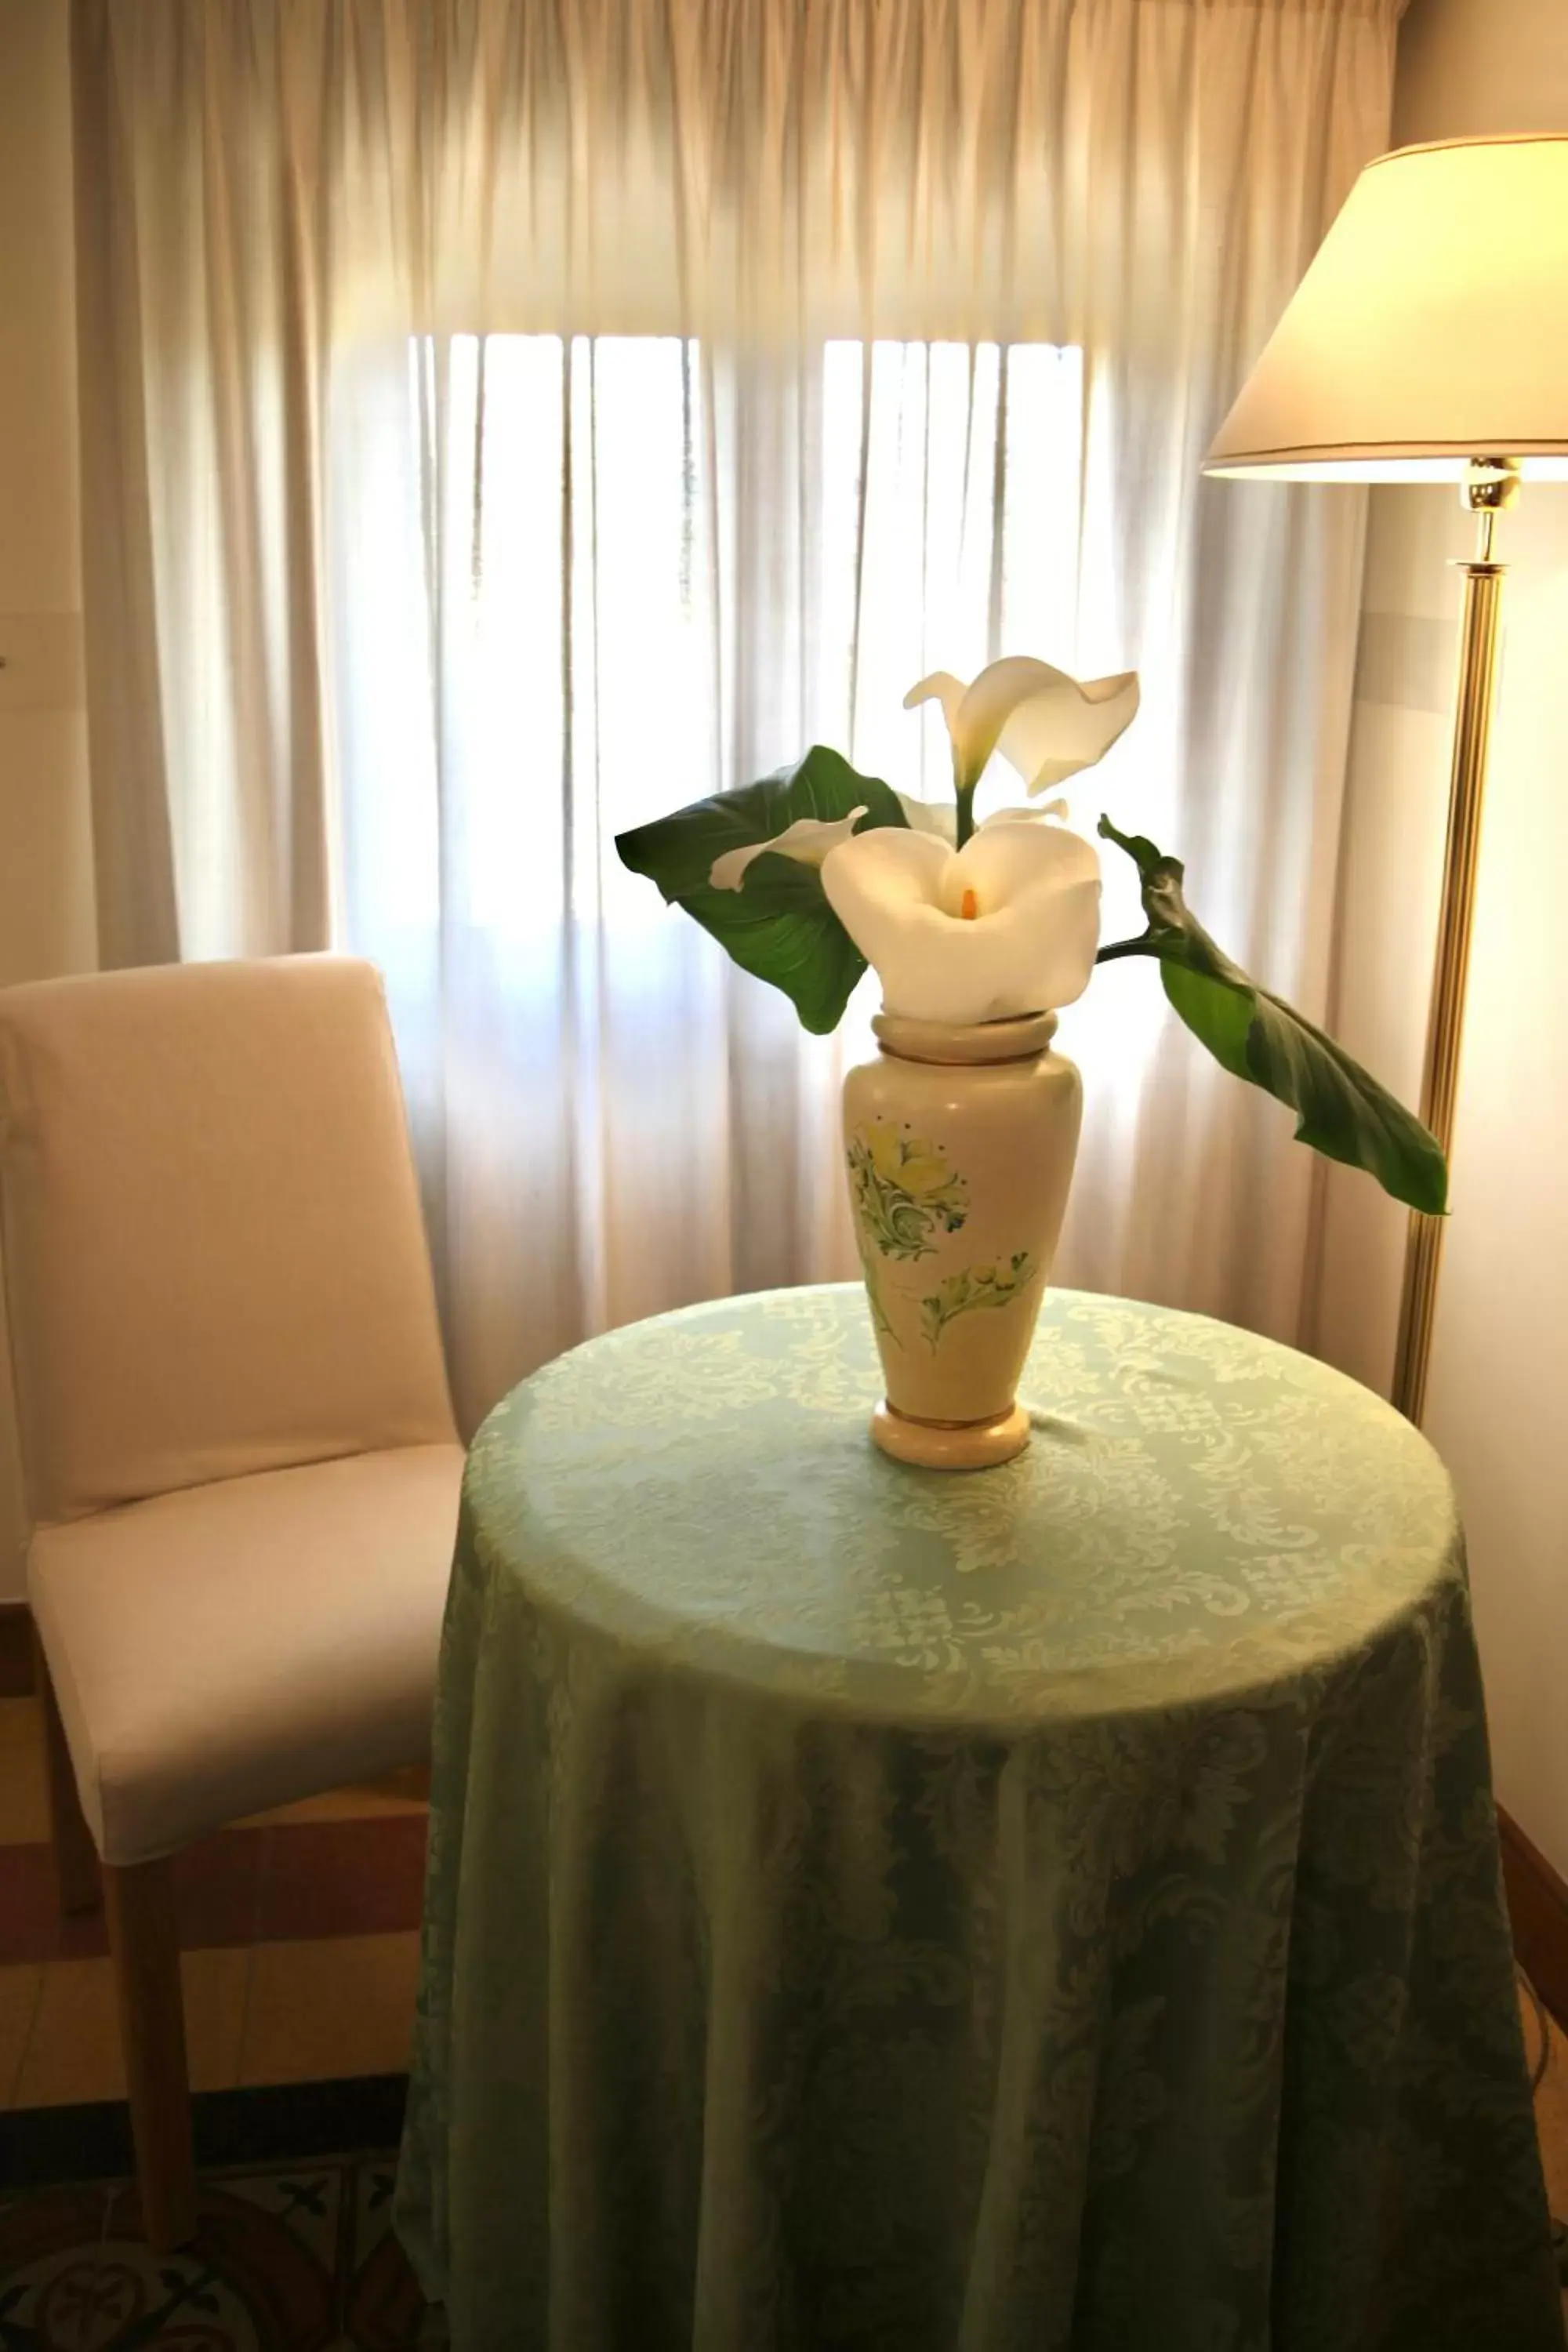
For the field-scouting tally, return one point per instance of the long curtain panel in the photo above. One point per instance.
(502, 422)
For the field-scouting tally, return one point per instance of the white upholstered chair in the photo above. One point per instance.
(236, 1436)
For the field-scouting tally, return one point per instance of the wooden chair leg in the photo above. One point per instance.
(78, 1880)
(144, 1937)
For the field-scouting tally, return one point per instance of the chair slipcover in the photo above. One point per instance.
(236, 1430)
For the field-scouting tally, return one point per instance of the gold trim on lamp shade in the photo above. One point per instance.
(1362, 462)
(1429, 342)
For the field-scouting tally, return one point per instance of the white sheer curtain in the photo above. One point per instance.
(504, 422)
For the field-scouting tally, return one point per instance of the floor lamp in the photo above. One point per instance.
(1429, 342)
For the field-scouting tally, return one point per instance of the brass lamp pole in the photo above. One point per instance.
(1429, 342)
(1489, 489)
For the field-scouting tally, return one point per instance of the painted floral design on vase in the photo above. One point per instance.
(959, 1141)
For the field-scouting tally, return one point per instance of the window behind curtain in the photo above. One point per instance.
(561, 499)
(577, 583)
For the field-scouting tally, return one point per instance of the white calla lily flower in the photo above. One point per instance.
(1007, 925)
(1043, 815)
(938, 817)
(808, 841)
(1047, 724)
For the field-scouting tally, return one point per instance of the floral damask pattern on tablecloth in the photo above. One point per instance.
(1052, 1908)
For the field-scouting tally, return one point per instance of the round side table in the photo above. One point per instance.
(1056, 1908)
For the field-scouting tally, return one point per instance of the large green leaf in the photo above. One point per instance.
(1341, 1109)
(778, 925)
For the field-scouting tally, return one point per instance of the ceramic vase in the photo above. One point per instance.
(960, 1143)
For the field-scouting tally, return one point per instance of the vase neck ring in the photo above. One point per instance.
(1023, 1039)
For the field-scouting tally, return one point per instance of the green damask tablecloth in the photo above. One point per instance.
(1055, 1908)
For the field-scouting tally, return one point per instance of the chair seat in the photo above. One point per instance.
(228, 1647)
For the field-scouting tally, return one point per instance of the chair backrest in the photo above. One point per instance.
(214, 1257)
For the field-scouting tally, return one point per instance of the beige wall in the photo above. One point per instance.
(45, 857)
(1498, 1408)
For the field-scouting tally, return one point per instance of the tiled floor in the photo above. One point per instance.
(301, 1930)
(297, 2257)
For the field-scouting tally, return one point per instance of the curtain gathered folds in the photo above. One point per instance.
(503, 422)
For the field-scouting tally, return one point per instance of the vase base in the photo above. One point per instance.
(950, 1445)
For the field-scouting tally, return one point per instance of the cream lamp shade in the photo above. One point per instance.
(1431, 329)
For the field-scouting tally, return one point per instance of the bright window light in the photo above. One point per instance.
(555, 596)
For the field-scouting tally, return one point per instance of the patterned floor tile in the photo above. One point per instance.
(291, 2259)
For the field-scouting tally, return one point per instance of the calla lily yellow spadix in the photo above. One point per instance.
(806, 876)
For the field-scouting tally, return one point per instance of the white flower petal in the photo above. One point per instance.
(808, 841)
(1064, 727)
(949, 690)
(1001, 861)
(895, 867)
(940, 817)
(1047, 722)
(990, 700)
(1029, 949)
(1052, 809)
(1043, 883)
